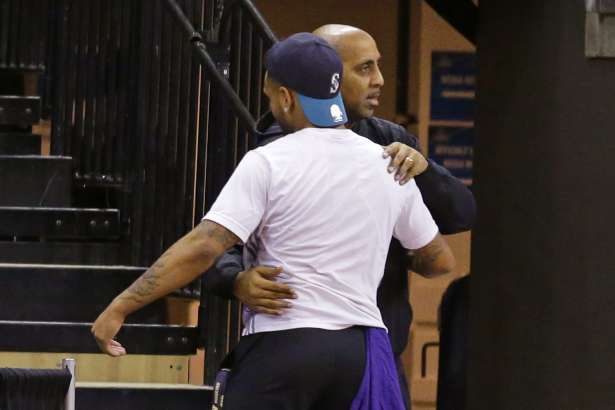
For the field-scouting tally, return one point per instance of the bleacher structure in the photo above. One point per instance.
(151, 103)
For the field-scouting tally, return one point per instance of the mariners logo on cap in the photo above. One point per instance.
(336, 113)
(335, 83)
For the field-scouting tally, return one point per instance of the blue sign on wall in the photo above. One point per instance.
(453, 148)
(453, 86)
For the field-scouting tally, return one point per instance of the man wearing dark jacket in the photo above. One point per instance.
(448, 200)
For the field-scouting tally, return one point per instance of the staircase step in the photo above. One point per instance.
(69, 223)
(20, 110)
(132, 368)
(15, 143)
(64, 253)
(129, 396)
(33, 180)
(68, 293)
(30, 336)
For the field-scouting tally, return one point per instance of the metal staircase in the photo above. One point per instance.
(152, 104)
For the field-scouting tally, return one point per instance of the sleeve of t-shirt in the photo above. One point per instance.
(415, 227)
(241, 203)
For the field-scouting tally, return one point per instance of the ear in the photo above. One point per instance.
(287, 99)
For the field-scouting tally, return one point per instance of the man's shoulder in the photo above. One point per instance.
(384, 132)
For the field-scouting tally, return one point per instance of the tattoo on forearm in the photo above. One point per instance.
(423, 259)
(146, 284)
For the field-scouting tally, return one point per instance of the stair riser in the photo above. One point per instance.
(19, 110)
(46, 337)
(20, 144)
(130, 399)
(67, 294)
(35, 181)
(67, 223)
(61, 253)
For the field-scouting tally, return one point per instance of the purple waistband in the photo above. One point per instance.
(380, 385)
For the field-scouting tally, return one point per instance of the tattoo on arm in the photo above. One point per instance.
(149, 282)
(146, 284)
(218, 233)
(424, 258)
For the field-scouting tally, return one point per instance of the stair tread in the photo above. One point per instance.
(129, 385)
(59, 266)
(56, 208)
(41, 157)
(80, 324)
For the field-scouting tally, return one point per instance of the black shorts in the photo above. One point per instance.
(298, 369)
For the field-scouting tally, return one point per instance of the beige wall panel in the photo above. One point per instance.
(102, 368)
(424, 393)
(425, 297)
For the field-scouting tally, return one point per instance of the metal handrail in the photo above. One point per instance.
(256, 16)
(200, 50)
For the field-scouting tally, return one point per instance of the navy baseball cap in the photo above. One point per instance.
(308, 65)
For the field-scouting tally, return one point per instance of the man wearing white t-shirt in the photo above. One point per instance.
(319, 205)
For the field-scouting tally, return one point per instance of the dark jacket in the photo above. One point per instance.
(450, 202)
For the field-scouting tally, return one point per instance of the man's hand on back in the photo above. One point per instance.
(406, 162)
(257, 288)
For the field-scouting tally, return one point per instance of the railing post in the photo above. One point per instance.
(69, 403)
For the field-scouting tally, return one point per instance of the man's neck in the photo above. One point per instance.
(339, 127)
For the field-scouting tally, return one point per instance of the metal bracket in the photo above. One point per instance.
(221, 55)
(600, 28)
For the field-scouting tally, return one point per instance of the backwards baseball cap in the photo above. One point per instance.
(308, 65)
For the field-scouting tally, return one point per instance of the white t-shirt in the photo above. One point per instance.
(321, 204)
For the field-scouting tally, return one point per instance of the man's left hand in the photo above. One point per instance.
(406, 162)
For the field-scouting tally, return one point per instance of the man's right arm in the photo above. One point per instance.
(433, 259)
(417, 232)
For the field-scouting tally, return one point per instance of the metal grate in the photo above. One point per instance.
(24, 33)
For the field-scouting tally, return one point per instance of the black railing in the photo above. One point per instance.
(157, 101)
(24, 34)
(237, 45)
(148, 116)
(125, 107)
